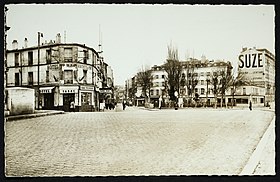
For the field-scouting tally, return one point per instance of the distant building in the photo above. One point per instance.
(66, 71)
(203, 69)
(158, 83)
(258, 67)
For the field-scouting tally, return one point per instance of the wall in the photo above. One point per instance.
(20, 100)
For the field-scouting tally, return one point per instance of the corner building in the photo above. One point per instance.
(258, 67)
(66, 71)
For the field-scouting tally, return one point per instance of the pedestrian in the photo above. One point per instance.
(72, 106)
(123, 105)
(159, 102)
(250, 106)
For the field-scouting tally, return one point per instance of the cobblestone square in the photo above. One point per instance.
(134, 142)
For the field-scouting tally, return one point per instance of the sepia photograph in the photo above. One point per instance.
(106, 90)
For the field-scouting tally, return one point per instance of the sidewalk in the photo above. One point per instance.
(262, 161)
(37, 113)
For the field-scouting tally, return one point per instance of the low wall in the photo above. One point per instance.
(20, 100)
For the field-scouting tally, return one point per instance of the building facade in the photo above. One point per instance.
(60, 73)
(258, 67)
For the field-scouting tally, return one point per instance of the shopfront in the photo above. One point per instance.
(47, 97)
(106, 96)
(87, 99)
(67, 95)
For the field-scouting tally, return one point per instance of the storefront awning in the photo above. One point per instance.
(68, 89)
(46, 89)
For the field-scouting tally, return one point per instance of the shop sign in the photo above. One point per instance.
(105, 91)
(46, 89)
(251, 60)
(84, 67)
(53, 67)
(87, 88)
(65, 90)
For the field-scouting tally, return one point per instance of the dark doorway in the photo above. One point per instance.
(48, 101)
(67, 98)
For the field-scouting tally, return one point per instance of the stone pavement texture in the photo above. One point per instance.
(266, 163)
(134, 142)
(37, 113)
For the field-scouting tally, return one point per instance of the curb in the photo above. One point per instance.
(253, 161)
(19, 117)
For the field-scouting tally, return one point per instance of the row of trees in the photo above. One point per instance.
(181, 76)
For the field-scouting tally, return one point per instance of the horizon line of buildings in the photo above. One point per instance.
(257, 66)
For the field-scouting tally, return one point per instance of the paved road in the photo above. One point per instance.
(134, 142)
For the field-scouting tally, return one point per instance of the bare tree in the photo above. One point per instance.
(225, 81)
(237, 80)
(173, 68)
(214, 81)
(144, 79)
(192, 79)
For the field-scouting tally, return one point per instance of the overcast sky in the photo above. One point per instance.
(137, 35)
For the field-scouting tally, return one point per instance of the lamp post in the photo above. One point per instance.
(38, 74)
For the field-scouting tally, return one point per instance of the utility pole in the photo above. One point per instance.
(38, 74)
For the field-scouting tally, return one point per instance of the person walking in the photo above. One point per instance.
(72, 106)
(250, 106)
(124, 104)
(159, 102)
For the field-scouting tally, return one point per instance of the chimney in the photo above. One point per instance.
(58, 38)
(25, 43)
(15, 44)
(244, 49)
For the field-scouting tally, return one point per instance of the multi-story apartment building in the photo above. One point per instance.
(158, 84)
(59, 73)
(258, 67)
(202, 69)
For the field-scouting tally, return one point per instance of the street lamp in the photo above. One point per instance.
(38, 74)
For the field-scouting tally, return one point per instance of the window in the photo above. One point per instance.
(156, 77)
(202, 82)
(86, 56)
(48, 56)
(30, 78)
(16, 59)
(157, 92)
(244, 91)
(152, 92)
(202, 91)
(208, 73)
(195, 90)
(68, 54)
(16, 79)
(85, 76)
(156, 84)
(202, 74)
(30, 58)
(162, 76)
(68, 76)
(47, 76)
(94, 59)
(195, 74)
